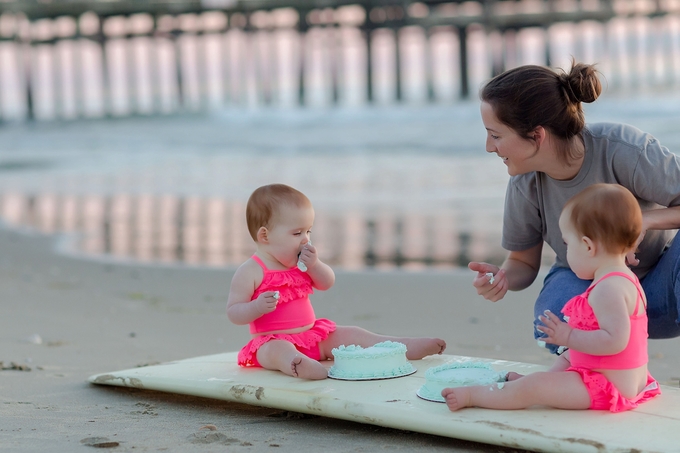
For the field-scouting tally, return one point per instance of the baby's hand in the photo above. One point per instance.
(308, 257)
(267, 301)
(557, 331)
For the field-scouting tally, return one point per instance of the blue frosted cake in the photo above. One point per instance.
(380, 361)
(458, 374)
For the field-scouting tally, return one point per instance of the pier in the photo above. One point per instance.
(63, 61)
(71, 59)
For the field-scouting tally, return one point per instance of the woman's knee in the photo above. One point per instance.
(662, 288)
(559, 286)
(663, 327)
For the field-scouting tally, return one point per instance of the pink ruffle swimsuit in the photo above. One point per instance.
(603, 394)
(293, 310)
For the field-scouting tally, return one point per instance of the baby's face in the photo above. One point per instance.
(290, 231)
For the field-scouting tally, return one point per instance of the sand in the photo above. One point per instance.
(64, 318)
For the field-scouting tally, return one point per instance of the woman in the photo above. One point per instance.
(535, 124)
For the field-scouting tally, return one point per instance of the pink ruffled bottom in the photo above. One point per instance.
(306, 342)
(605, 396)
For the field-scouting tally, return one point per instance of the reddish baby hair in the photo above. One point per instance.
(267, 201)
(608, 214)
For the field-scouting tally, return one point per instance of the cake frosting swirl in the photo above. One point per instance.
(457, 374)
(382, 360)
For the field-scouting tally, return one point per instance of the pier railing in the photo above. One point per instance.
(80, 58)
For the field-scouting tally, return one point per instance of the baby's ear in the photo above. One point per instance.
(263, 235)
(590, 244)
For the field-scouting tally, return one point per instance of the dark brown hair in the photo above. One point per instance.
(266, 201)
(526, 97)
(608, 214)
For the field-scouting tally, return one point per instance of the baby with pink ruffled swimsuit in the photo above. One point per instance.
(605, 333)
(270, 292)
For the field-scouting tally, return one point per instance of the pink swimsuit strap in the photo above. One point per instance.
(260, 262)
(633, 279)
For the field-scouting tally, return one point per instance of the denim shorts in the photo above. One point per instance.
(661, 286)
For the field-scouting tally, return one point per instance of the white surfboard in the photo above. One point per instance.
(653, 427)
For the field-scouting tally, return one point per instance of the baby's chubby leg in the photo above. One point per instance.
(419, 347)
(282, 355)
(561, 390)
(416, 347)
(561, 364)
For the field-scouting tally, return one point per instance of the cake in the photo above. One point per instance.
(458, 374)
(380, 361)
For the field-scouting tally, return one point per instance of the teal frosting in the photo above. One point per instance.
(440, 383)
(355, 352)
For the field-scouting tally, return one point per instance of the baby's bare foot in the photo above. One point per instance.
(457, 398)
(417, 348)
(512, 376)
(306, 368)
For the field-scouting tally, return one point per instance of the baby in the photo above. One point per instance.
(270, 291)
(605, 367)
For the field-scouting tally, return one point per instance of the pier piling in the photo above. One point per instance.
(54, 68)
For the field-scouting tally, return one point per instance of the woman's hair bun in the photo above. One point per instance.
(581, 84)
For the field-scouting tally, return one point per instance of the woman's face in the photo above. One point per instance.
(518, 153)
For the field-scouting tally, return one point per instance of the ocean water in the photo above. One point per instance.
(406, 186)
(395, 184)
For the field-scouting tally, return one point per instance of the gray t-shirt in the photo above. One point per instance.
(614, 153)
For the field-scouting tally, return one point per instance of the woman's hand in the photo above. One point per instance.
(557, 331)
(490, 281)
(631, 259)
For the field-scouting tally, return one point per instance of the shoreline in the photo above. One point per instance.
(67, 318)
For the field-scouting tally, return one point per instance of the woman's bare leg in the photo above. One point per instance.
(561, 390)
(282, 355)
(416, 347)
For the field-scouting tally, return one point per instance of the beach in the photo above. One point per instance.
(92, 279)
(66, 317)
(393, 187)
(122, 213)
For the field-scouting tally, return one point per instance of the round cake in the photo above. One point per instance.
(380, 361)
(459, 374)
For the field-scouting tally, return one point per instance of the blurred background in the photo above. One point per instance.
(138, 129)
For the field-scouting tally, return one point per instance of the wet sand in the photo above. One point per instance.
(64, 318)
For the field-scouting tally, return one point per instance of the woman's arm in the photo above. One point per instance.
(661, 219)
(521, 268)
(655, 219)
